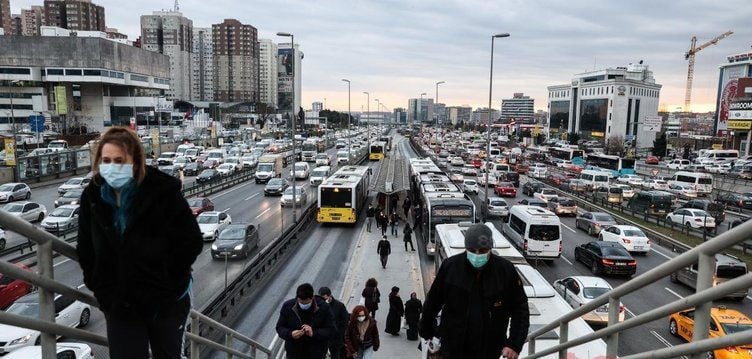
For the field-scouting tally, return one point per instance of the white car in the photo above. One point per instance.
(61, 219)
(30, 211)
(685, 190)
(497, 206)
(226, 169)
(678, 164)
(695, 218)
(10, 192)
(64, 351)
(545, 194)
(630, 237)
(626, 191)
(322, 159)
(581, 290)
(632, 180)
(249, 161)
(470, 171)
(470, 186)
(457, 161)
(538, 170)
(656, 184)
(181, 161)
(211, 223)
(301, 171)
(166, 158)
(73, 183)
(720, 168)
(456, 176)
(563, 164)
(235, 161)
(69, 312)
(301, 197)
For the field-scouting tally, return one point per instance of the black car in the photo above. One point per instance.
(193, 169)
(606, 258)
(513, 177)
(717, 210)
(70, 197)
(276, 186)
(735, 199)
(534, 202)
(237, 240)
(171, 170)
(208, 175)
(531, 187)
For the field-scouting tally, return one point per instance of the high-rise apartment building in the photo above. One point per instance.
(202, 65)
(519, 108)
(31, 20)
(113, 33)
(268, 76)
(287, 63)
(236, 61)
(419, 110)
(400, 116)
(480, 115)
(171, 34)
(5, 20)
(82, 15)
(459, 114)
(15, 25)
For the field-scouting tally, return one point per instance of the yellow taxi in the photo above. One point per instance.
(723, 321)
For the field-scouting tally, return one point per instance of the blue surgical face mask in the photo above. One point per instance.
(477, 260)
(117, 175)
(304, 306)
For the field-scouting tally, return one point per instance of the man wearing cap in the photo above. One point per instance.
(479, 295)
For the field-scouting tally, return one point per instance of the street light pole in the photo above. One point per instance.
(12, 93)
(488, 125)
(368, 116)
(292, 120)
(420, 107)
(349, 115)
(436, 100)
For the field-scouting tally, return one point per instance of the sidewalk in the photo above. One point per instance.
(402, 270)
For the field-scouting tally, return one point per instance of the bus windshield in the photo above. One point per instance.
(336, 198)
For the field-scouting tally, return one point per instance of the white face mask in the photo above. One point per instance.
(361, 318)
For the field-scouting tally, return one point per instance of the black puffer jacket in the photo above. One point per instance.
(148, 267)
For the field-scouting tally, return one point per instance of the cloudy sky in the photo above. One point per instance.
(398, 49)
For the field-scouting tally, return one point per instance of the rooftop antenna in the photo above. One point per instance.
(177, 6)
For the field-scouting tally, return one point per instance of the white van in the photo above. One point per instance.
(536, 231)
(717, 156)
(595, 179)
(301, 170)
(216, 154)
(320, 174)
(678, 164)
(538, 170)
(702, 183)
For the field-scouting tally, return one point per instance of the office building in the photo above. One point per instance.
(16, 26)
(268, 76)
(285, 76)
(420, 110)
(80, 15)
(400, 116)
(734, 102)
(171, 34)
(5, 17)
(518, 108)
(31, 20)
(113, 33)
(480, 116)
(317, 106)
(604, 103)
(439, 114)
(236, 61)
(459, 114)
(202, 65)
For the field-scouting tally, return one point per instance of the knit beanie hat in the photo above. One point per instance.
(479, 236)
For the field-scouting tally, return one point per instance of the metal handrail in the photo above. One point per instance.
(45, 324)
(704, 254)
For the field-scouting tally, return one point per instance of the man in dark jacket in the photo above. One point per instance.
(341, 317)
(384, 249)
(369, 217)
(481, 295)
(305, 324)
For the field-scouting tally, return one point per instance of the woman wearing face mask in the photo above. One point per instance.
(361, 336)
(137, 241)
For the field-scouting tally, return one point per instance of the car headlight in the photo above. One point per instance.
(22, 340)
(214, 247)
(239, 247)
(57, 203)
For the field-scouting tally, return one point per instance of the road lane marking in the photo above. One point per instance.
(629, 311)
(660, 254)
(81, 286)
(231, 189)
(252, 196)
(567, 227)
(663, 340)
(61, 262)
(225, 211)
(674, 293)
(567, 260)
(263, 212)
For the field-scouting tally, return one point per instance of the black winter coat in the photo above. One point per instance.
(147, 267)
(413, 308)
(384, 248)
(322, 323)
(341, 317)
(373, 297)
(503, 298)
(394, 317)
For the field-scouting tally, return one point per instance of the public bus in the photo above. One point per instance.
(343, 195)
(564, 153)
(388, 141)
(443, 207)
(546, 305)
(376, 151)
(616, 165)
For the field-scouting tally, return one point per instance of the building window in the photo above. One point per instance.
(139, 78)
(92, 73)
(74, 72)
(593, 115)
(15, 71)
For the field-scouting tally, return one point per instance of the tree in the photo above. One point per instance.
(573, 138)
(659, 145)
(615, 145)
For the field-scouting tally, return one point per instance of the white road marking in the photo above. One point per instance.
(225, 211)
(663, 340)
(629, 311)
(674, 293)
(263, 212)
(567, 260)
(81, 286)
(660, 254)
(231, 189)
(61, 262)
(567, 227)
(252, 196)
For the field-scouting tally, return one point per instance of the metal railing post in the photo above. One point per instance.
(195, 322)
(228, 343)
(563, 338)
(46, 298)
(612, 341)
(531, 346)
(706, 268)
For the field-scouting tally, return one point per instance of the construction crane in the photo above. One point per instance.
(690, 55)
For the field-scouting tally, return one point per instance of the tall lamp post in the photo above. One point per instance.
(349, 116)
(488, 124)
(292, 120)
(420, 108)
(436, 100)
(368, 116)
(12, 94)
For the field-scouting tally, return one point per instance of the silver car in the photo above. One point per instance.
(30, 211)
(594, 222)
(10, 192)
(61, 219)
(73, 183)
(497, 206)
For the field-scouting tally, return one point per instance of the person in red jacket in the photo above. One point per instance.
(362, 336)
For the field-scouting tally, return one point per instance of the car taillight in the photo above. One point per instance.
(622, 308)
(632, 263)
(698, 220)
(740, 203)
(559, 247)
(607, 262)
(648, 241)
(627, 241)
(731, 349)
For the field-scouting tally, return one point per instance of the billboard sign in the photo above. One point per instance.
(729, 84)
(652, 124)
(285, 79)
(739, 125)
(740, 109)
(10, 152)
(61, 100)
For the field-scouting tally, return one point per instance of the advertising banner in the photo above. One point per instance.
(10, 152)
(740, 109)
(61, 100)
(729, 84)
(739, 125)
(285, 79)
(652, 124)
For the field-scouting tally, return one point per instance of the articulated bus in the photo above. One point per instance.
(545, 304)
(440, 208)
(564, 153)
(376, 151)
(388, 141)
(343, 195)
(616, 165)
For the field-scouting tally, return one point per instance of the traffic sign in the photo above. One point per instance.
(654, 172)
(36, 122)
